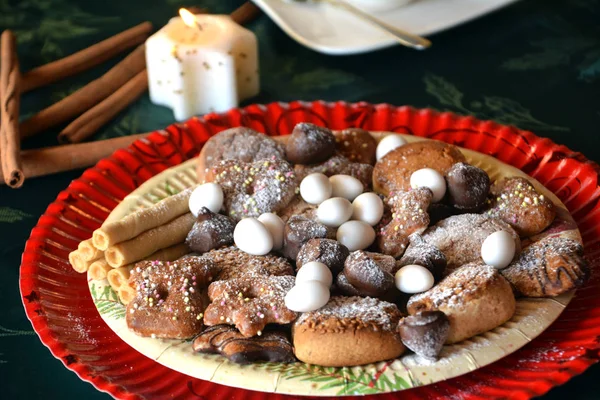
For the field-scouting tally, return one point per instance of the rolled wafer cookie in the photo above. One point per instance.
(88, 251)
(99, 269)
(118, 277)
(78, 261)
(126, 293)
(142, 220)
(148, 242)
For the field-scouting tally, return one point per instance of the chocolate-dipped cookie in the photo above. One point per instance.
(327, 251)
(210, 231)
(370, 273)
(424, 254)
(299, 230)
(309, 144)
(467, 187)
(425, 332)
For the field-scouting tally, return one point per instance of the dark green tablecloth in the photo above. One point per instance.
(535, 64)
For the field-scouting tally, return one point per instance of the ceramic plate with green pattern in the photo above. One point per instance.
(532, 317)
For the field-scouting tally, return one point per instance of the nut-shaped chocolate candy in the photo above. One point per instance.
(309, 144)
(210, 231)
(299, 230)
(425, 333)
(467, 187)
(327, 251)
(370, 273)
(421, 253)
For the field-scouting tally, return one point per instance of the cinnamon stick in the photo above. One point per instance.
(52, 160)
(86, 58)
(86, 97)
(90, 121)
(245, 13)
(10, 142)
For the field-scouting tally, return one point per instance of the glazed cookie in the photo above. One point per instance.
(327, 251)
(517, 202)
(299, 230)
(460, 237)
(392, 173)
(475, 298)
(370, 273)
(309, 144)
(424, 254)
(252, 189)
(356, 144)
(409, 215)
(339, 165)
(271, 346)
(467, 187)
(547, 268)
(348, 331)
(210, 231)
(170, 297)
(242, 144)
(234, 263)
(250, 303)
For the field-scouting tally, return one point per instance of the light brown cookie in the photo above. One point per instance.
(348, 331)
(547, 268)
(475, 298)
(518, 203)
(250, 303)
(242, 144)
(392, 173)
(356, 144)
(409, 215)
(460, 237)
(170, 297)
(232, 262)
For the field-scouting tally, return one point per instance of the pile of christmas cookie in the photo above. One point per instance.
(339, 249)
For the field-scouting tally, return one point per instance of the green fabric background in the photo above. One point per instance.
(535, 64)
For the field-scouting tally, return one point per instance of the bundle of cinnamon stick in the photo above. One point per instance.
(88, 109)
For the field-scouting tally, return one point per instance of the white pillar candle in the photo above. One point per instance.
(209, 65)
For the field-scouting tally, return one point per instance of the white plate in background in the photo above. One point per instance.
(331, 30)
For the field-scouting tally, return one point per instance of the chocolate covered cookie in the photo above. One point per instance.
(327, 251)
(210, 231)
(309, 144)
(299, 230)
(356, 144)
(467, 187)
(425, 332)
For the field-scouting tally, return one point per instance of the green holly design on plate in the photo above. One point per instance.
(107, 302)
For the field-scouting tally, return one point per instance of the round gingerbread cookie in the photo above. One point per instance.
(348, 331)
(392, 173)
(243, 144)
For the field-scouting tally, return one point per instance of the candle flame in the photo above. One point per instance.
(188, 18)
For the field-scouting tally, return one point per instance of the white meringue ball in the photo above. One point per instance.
(315, 188)
(307, 296)
(355, 235)
(413, 279)
(498, 249)
(315, 271)
(334, 212)
(367, 207)
(209, 195)
(345, 186)
(275, 226)
(252, 237)
(387, 144)
(429, 178)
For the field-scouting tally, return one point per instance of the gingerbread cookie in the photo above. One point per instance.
(250, 303)
(210, 231)
(327, 251)
(271, 346)
(234, 263)
(242, 144)
(517, 202)
(339, 165)
(549, 267)
(309, 144)
(475, 298)
(356, 144)
(348, 331)
(170, 297)
(392, 173)
(252, 189)
(409, 215)
(460, 237)
(370, 273)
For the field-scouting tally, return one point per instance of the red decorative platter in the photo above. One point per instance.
(58, 303)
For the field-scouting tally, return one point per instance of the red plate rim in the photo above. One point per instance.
(564, 350)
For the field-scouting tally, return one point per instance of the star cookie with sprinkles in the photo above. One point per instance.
(250, 303)
(516, 201)
(170, 297)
